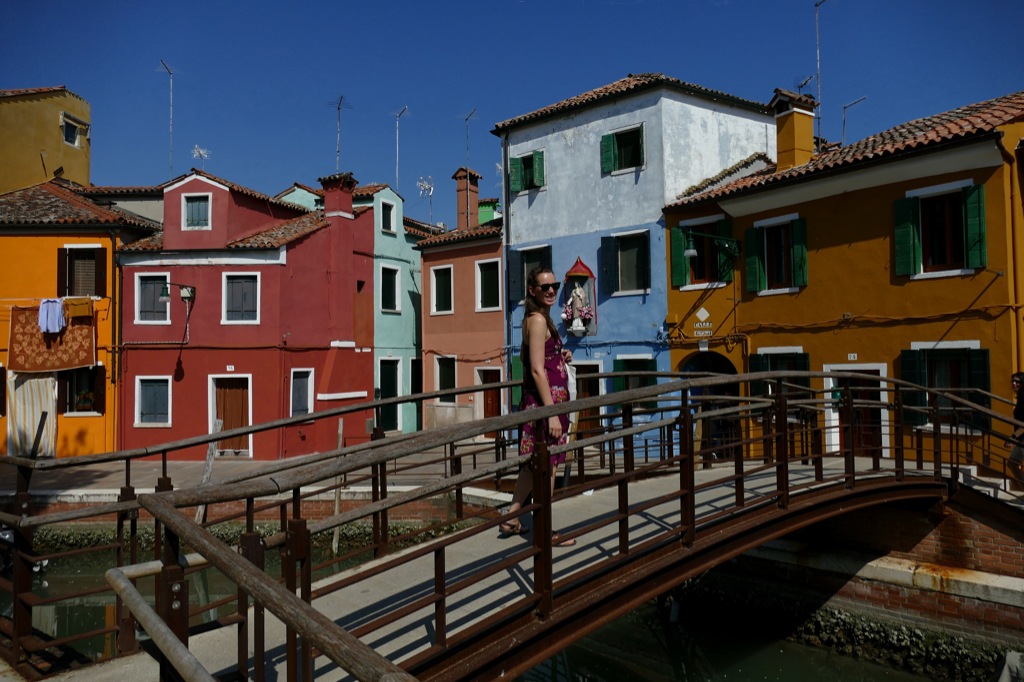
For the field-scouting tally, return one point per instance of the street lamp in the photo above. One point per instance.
(188, 293)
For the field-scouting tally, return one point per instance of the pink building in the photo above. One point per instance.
(247, 309)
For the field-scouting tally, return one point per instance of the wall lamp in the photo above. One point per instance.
(188, 293)
(732, 246)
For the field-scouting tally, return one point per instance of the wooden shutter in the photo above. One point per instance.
(803, 364)
(642, 156)
(517, 375)
(906, 236)
(607, 153)
(515, 175)
(680, 269)
(538, 169)
(516, 285)
(99, 389)
(545, 257)
(914, 370)
(62, 273)
(975, 246)
(726, 263)
(101, 273)
(978, 361)
(609, 265)
(758, 363)
(757, 278)
(798, 237)
(644, 262)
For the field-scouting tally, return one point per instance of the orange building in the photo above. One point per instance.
(56, 243)
(894, 256)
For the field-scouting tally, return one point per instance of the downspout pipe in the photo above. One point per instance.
(506, 239)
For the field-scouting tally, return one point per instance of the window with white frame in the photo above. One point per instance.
(389, 298)
(152, 401)
(445, 373)
(387, 217)
(776, 254)
(195, 211)
(441, 294)
(488, 285)
(241, 298)
(302, 392)
(71, 133)
(626, 263)
(148, 308)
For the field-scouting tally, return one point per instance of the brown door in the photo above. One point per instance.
(233, 410)
(867, 421)
(588, 420)
(492, 397)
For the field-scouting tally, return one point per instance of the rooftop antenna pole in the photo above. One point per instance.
(203, 154)
(340, 104)
(171, 74)
(427, 187)
(398, 116)
(845, 107)
(817, 49)
(468, 116)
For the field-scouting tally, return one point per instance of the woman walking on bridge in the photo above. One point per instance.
(547, 383)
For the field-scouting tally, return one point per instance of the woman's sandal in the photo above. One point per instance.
(557, 537)
(509, 529)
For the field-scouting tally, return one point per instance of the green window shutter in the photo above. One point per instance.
(758, 363)
(515, 175)
(798, 235)
(907, 237)
(757, 278)
(978, 360)
(914, 370)
(726, 263)
(645, 262)
(803, 364)
(652, 366)
(545, 257)
(516, 284)
(538, 169)
(643, 157)
(607, 153)
(680, 265)
(517, 375)
(609, 265)
(975, 246)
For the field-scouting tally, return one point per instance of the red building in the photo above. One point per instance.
(270, 314)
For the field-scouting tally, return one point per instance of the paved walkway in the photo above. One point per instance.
(384, 592)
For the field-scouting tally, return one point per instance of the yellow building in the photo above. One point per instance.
(55, 242)
(894, 256)
(45, 134)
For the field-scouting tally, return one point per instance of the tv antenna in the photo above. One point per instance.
(801, 84)
(817, 51)
(171, 72)
(338, 104)
(845, 107)
(427, 187)
(468, 216)
(397, 116)
(203, 154)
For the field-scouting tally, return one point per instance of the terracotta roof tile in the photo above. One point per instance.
(472, 173)
(628, 85)
(336, 176)
(279, 235)
(489, 200)
(426, 228)
(731, 170)
(492, 228)
(151, 243)
(249, 192)
(51, 203)
(37, 91)
(949, 126)
(368, 190)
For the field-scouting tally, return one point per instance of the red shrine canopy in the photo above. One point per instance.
(579, 270)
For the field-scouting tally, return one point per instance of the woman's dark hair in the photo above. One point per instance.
(531, 304)
(1019, 377)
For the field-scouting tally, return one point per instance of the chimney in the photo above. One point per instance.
(338, 195)
(794, 128)
(467, 190)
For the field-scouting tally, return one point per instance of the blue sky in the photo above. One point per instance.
(255, 76)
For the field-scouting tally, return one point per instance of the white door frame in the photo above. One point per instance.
(832, 414)
(478, 407)
(600, 382)
(212, 398)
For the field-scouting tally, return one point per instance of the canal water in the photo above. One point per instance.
(705, 644)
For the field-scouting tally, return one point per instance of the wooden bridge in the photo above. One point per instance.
(725, 474)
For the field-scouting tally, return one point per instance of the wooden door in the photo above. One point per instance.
(232, 398)
(389, 389)
(867, 421)
(588, 420)
(491, 397)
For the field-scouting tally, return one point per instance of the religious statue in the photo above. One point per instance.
(577, 310)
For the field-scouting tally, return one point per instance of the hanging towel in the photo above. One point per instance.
(51, 315)
(78, 307)
(29, 398)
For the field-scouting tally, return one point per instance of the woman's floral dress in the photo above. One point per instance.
(558, 380)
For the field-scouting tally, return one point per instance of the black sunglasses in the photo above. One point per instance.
(549, 287)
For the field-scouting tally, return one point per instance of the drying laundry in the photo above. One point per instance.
(51, 315)
(78, 307)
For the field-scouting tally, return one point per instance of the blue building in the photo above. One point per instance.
(587, 179)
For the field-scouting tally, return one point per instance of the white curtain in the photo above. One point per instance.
(29, 395)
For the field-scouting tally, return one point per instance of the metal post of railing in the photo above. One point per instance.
(21, 578)
(849, 438)
(457, 471)
(174, 600)
(252, 549)
(817, 448)
(440, 612)
(623, 485)
(898, 434)
(766, 427)
(542, 570)
(936, 417)
(687, 503)
(782, 449)
(954, 455)
(737, 452)
(919, 446)
(163, 484)
(124, 617)
(805, 435)
(499, 447)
